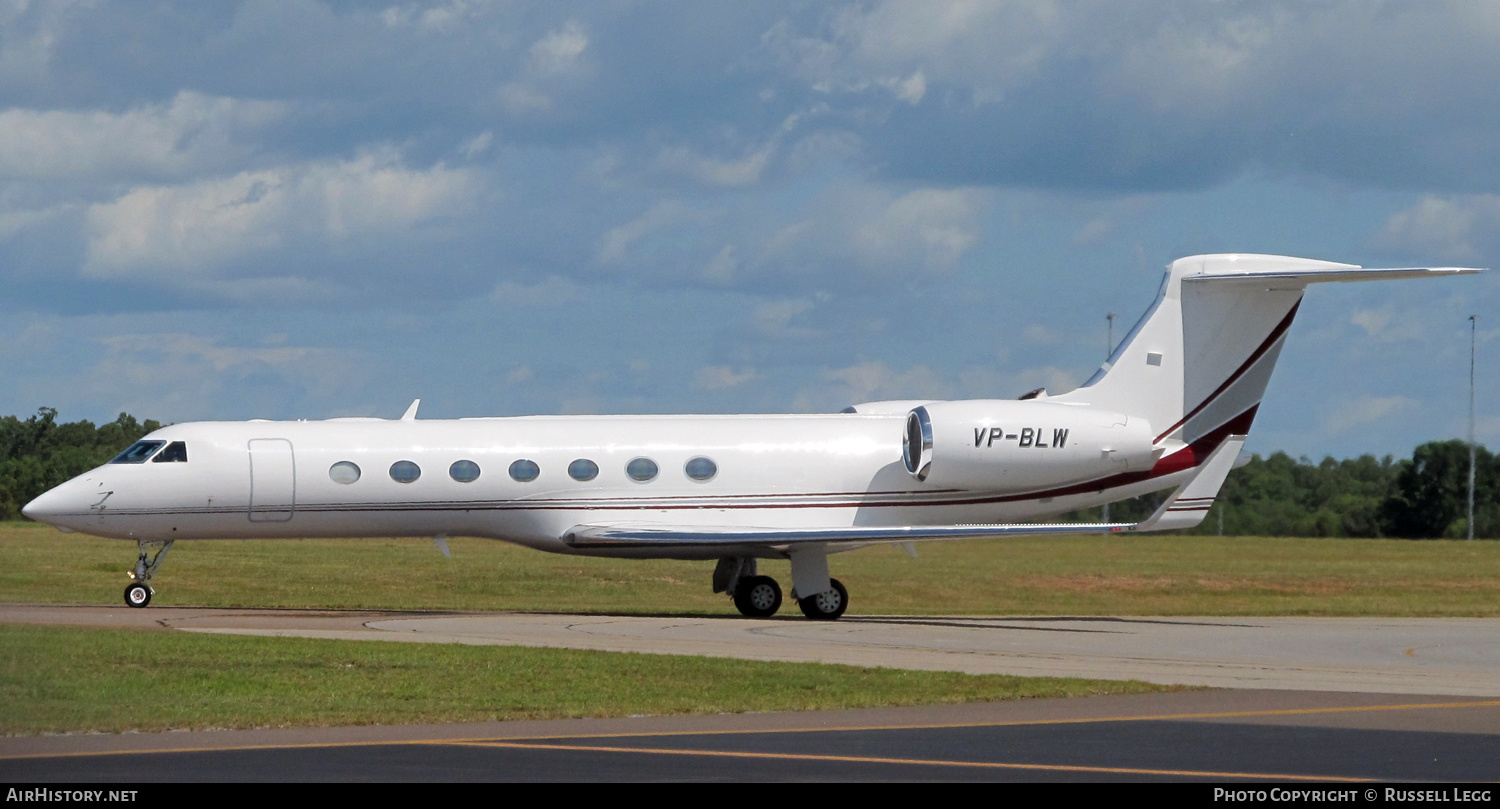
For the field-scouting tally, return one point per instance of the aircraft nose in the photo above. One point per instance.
(47, 504)
(53, 504)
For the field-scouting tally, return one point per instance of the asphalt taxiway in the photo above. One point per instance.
(1218, 735)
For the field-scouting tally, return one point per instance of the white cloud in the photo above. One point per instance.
(722, 377)
(553, 62)
(188, 230)
(926, 228)
(1386, 326)
(618, 240)
(872, 381)
(1460, 228)
(746, 170)
(193, 133)
(1042, 335)
(932, 225)
(200, 349)
(1093, 231)
(551, 291)
(773, 318)
(185, 375)
(29, 33)
(477, 145)
(1367, 410)
(436, 18)
(559, 50)
(721, 267)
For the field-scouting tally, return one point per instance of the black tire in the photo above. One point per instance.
(757, 597)
(827, 606)
(137, 595)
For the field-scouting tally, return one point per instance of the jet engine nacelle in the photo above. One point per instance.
(1009, 445)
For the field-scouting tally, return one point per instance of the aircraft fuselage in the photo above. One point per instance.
(268, 479)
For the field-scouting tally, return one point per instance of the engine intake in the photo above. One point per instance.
(1009, 445)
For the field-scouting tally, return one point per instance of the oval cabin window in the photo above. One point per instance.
(464, 471)
(524, 471)
(583, 469)
(405, 471)
(641, 469)
(345, 472)
(701, 468)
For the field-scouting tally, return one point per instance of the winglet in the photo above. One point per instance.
(1188, 505)
(411, 412)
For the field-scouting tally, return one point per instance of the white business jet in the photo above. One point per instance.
(1169, 410)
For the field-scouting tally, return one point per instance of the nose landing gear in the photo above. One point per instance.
(139, 593)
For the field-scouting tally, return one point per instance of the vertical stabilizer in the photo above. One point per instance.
(1197, 364)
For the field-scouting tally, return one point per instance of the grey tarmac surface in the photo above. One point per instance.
(1330, 704)
(1217, 735)
(1447, 656)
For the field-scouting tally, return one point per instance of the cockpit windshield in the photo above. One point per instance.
(176, 452)
(138, 452)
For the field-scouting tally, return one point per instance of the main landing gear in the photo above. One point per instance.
(759, 596)
(139, 593)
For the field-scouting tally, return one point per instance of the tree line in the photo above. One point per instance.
(39, 453)
(1421, 497)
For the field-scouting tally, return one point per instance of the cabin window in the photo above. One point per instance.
(176, 452)
(641, 469)
(583, 469)
(138, 452)
(524, 471)
(701, 468)
(345, 472)
(464, 471)
(405, 471)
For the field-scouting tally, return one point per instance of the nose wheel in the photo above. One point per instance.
(137, 595)
(151, 555)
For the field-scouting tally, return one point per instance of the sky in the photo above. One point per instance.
(301, 209)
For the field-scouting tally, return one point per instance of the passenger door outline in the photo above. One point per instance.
(273, 480)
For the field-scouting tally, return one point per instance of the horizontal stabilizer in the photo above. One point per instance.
(1333, 272)
(1187, 506)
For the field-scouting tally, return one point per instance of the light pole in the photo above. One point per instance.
(1109, 349)
(1109, 340)
(1473, 327)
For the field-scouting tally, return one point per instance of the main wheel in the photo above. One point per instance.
(826, 606)
(758, 597)
(137, 595)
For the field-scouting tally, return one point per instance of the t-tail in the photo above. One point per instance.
(1198, 362)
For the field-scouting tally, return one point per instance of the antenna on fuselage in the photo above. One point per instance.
(411, 412)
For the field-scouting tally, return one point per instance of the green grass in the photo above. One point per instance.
(55, 679)
(1111, 575)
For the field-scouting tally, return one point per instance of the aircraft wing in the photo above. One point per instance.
(660, 536)
(1185, 508)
